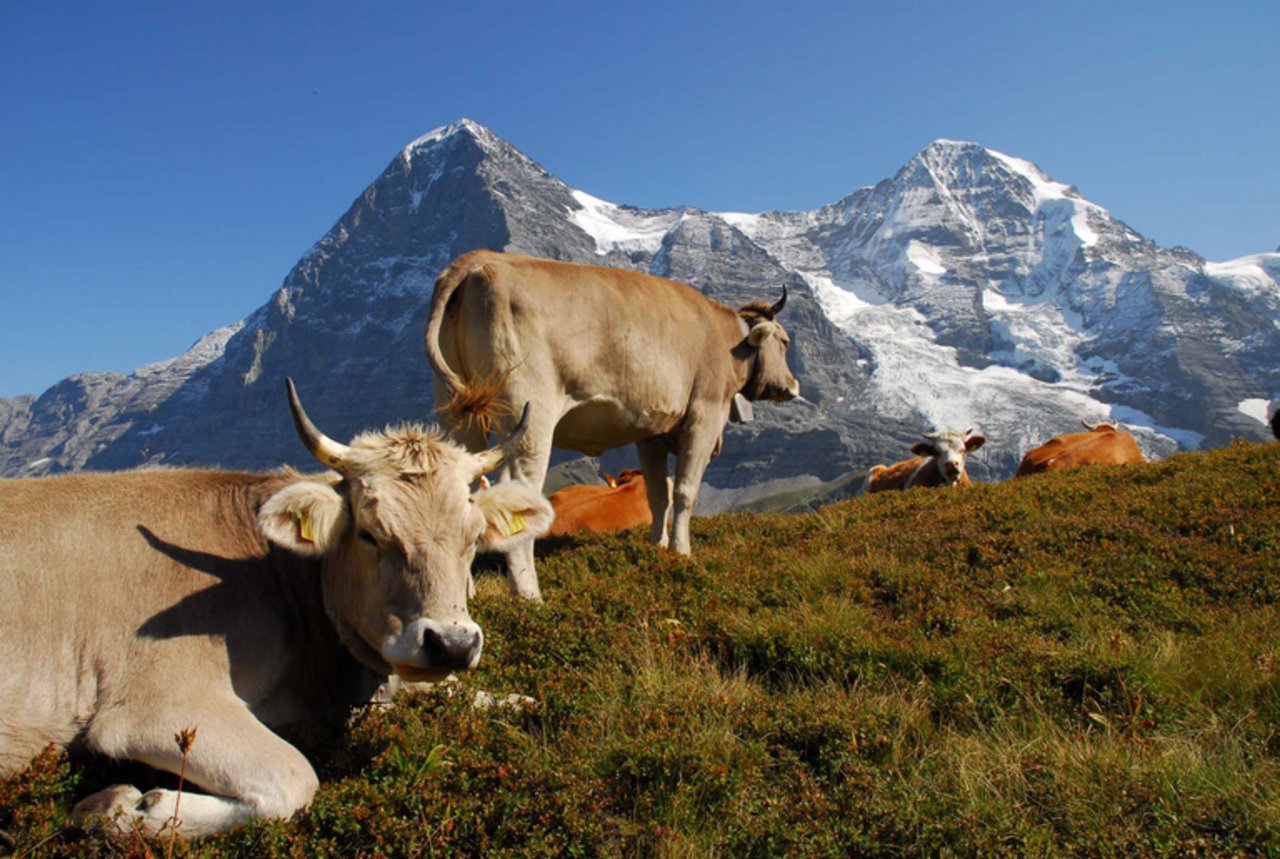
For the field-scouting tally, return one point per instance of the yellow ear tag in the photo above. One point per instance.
(513, 525)
(305, 532)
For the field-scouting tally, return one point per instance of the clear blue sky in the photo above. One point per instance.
(163, 165)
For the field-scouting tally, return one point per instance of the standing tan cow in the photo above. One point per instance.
(939, 461)
(606, 357)
(135, 604)
(1101, 444)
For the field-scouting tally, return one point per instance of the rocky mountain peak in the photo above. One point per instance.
(971, 289)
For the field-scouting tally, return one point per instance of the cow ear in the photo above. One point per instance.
(761, 331)
(512, 514)
(923, 448)
(974, 442)
(306, 517)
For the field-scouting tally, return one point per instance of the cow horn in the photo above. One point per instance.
(323, 448)
(777, 308)
(488, 460)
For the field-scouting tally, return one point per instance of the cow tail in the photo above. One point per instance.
(476, 402)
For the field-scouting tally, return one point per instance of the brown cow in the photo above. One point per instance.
(620, 505)
(1102, 444)
(605, 357)
(135, 604)
(939, 461)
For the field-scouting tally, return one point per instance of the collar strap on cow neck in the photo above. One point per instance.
(754, 385)
(755, 379)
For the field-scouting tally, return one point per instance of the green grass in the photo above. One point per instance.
(1082, 663)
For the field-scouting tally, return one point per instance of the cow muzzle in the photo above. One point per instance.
(429, 650)
(783, 393)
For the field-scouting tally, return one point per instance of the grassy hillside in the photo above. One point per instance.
(1083, 663)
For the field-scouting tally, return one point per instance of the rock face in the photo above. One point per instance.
(969, 290)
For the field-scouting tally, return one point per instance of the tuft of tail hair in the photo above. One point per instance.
(479, 403)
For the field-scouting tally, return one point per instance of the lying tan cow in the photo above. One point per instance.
(1102, 444)
(622, 504)
(136, 604)
(939, 461)
(605, 357)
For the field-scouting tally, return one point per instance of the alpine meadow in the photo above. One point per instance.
(1077, 663)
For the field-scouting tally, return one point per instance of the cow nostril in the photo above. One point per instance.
(455, 649)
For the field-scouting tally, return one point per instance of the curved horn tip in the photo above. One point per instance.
(777, 307)
(491, 458)
(323, 448)
(518, 431)
(523, 423)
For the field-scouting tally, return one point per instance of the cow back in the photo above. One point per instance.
(1102, 446)
(627, 351)
(601, 508)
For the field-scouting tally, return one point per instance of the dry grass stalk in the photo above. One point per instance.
(185, 739)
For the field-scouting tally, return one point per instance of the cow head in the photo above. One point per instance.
(949, 449)
(767, 343)
(627, 475)
(397, 531)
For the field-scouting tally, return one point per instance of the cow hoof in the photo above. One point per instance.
(113, 808)
(533, 595)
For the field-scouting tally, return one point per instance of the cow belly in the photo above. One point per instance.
(601, 424)
(34, 714)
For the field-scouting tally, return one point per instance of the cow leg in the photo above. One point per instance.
(529, 466)
(653, 463)
(247, 770)
(692, 455)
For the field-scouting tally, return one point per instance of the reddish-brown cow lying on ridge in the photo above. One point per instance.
(1103, 444)
(620, 505)
(938, 461)
(139, 603)
(605, 357)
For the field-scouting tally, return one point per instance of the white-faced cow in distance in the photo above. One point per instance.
(136, 604)
(1100, 444)
(939, 461)
(605, 357)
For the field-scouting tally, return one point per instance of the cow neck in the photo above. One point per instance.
(754, 385)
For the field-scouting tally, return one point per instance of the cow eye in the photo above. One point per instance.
(368, 538)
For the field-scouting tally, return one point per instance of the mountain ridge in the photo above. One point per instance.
(969, 288)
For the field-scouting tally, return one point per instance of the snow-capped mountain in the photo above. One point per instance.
(988, 293)
(968, 290)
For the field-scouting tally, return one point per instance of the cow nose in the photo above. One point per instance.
(453, 648)
(790, 392)
(952, 469)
